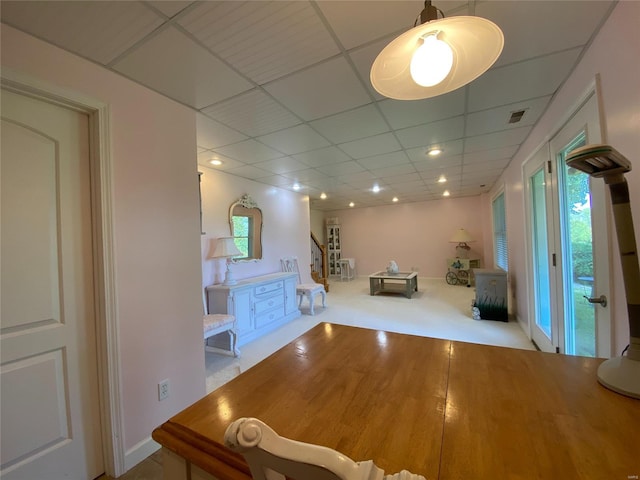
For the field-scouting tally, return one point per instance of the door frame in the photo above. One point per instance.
(593, 89)
(101, 170)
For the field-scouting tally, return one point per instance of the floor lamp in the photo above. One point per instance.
(620, 374)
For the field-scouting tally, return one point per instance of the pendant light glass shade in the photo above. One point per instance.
(476, 44)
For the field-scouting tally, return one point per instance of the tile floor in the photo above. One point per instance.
(436, 310)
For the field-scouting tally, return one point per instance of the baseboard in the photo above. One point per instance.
(139, 452)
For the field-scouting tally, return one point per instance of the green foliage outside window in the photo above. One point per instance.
(241, 231)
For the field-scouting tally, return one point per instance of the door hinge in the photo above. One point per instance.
(553, 259)
(549, 166)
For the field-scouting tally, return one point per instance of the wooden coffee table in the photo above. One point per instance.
(401, 282)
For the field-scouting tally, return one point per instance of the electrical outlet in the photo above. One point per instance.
(163, 389)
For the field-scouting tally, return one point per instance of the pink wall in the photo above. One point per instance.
(155, 217)
(285, 224)
(613, 55)
(415, 235)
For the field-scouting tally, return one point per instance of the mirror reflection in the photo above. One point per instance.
(245, 220)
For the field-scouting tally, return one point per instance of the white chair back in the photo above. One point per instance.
(290, 264)
(272, 457)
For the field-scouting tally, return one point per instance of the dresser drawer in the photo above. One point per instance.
(269, 289)
(270, 316)
(267, 304)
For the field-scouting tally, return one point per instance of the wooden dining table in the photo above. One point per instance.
(440, 408)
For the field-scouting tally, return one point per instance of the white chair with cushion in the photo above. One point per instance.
(272, 457)
(307, 289)
(215, 324)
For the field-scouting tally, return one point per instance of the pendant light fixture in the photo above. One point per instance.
(437, 56)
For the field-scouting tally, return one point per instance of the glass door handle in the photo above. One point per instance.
(602, 300)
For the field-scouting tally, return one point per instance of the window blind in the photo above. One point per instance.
(500, 253)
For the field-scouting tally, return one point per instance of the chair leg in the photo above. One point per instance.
(311, 304)
(233, 337)
(324, 298)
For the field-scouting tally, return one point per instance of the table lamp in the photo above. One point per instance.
(620, 374)
(462, 237)
(226, 248)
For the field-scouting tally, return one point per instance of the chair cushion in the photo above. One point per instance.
(217, 320)
(310, 287)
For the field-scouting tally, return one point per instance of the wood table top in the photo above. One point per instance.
(443, 409)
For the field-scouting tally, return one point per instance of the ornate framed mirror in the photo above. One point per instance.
(245, 220)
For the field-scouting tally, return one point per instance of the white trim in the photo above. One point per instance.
(104, 265)
(139, 452)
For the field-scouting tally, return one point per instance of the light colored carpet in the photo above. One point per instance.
(436, 310)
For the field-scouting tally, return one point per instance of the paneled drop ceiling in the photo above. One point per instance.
(283, 95)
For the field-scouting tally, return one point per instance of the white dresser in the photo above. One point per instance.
(260, 304)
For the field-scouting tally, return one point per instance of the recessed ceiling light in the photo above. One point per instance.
(446, 193)
(376, 188)
(395, 199)
(323, 195)
(442, 179)
(296, 186)
(217, 162)
(351, 204)
(434, 152)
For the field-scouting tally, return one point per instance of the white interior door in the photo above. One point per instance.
(568, 235)
(50, 418)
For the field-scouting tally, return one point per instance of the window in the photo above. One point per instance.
(242, 226)
(500, 254)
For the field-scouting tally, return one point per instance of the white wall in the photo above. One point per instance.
(613, 55)
(155, 216)
(285, 231)
(415, 235)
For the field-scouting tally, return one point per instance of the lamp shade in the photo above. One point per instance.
(476, 44)
(225, 248)
(461, 236)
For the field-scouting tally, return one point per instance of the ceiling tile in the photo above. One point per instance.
(502, 139)
(402, 114)
(276, 180)
(358, 178)
(301, 138)
(392, 160)
(249, 151)
(496, 119)
(211, 134)
(367, 147)
(306, 175)
(358, 123)
(384, 172)
(227, 163)
(322, 156)
(521, 81)
(253, 113)
(493, 154)
(449, 149)
(339, 169)
(170, 8)
(99, 31)
(174, 65)
(281, 165)
(567, 24)
(250, 172)
(362, 59)
(384, 18)
(483, 167)
(439, 163)
(263, 40)
(324, 89)
(432, 133)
